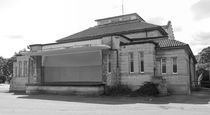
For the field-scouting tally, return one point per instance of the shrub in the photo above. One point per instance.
(118, 90)
(148, 89)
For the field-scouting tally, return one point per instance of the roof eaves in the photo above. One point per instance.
(148, 38)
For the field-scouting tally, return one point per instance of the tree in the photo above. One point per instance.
(6, 67)
(204, 56)
(2, 64)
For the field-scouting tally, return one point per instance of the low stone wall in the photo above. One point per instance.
(18, 84)
(65, 90)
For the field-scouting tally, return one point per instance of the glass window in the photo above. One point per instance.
(15, 73)
(109, 63)
(20, 68)
(163, 65)
(33, 67)
(141, 62)
(25, 72)
(131, 62)
(174, 65)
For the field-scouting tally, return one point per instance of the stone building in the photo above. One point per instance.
(118, 50)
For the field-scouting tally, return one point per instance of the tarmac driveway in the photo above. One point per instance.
(22, 104)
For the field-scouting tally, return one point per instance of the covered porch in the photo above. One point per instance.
(72, 70)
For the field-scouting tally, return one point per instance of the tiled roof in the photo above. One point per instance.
(169, 43)
(109, 29)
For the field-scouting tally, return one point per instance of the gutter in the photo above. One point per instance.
(117, 60)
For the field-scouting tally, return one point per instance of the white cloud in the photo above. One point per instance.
(44, 21)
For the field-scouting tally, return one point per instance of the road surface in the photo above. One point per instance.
(22, 104)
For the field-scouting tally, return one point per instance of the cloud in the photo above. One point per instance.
(14, 37)
(201, 9)
(177, 29)
(201, 38)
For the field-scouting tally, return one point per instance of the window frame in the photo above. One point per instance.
(141, 59)
(162, 65)
(20, 69)
(25, 68)
(131, 62)
(109, 64)
(173, 65)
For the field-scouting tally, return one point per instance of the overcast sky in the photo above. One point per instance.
(25, 22)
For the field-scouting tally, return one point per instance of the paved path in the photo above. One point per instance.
(21, 104)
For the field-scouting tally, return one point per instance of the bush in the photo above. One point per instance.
(118, 90)
(2, 79)
(148, 89)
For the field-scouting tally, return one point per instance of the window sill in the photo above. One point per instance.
(131, 72)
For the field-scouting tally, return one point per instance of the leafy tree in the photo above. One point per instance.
(6, 66)
(204, 56)
(2, 65)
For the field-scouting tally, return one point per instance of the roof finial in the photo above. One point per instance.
(122, 8)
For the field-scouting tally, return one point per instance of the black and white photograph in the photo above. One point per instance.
(105, 57)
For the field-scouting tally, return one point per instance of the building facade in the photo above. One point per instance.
(118, 50)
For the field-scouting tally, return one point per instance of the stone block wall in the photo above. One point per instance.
(21, 73)
(111, 78)
(177, 83)
(18, 84)
(136, 79)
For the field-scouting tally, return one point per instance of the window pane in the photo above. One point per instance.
(142, 66)
(109, 63)
(141, 59)
(20, 69)
(163, 65)
(25, 69)
(131, 63)
(174, 65)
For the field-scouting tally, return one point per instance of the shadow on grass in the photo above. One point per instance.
(196, 98)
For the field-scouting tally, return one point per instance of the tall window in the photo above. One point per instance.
(131, 62)
(174, 64)
(141, 62)
(109, 63)
(25, 72)
(15, 73)
(163, 65)
(33, 67)
(20, 69)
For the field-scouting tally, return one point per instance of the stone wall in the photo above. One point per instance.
(18, 84)
(110, 78)
(137, 78)
(20, 76)
(65, 90)
(178, 83)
